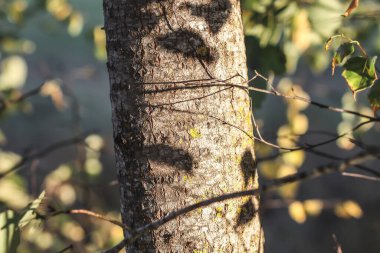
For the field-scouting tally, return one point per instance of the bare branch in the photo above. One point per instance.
(70, 247)
(307, 147)
(356, 175)
(41, 153)
(222, 83)
(274, 184)
(88, 213)
(4, 104)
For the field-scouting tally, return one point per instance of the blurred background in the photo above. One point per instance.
(54, 80)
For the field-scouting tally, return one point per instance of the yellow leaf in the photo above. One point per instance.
(300, 124)
(73, 231)
(269, 169)
(95, 142)
(100, 43)
(66, 194)
(297, 212)
(295, 158)
(348, 209)
(302, 32)
(60, 9)
(345, 143)
(93, 166)
(289, 190)
(285, 137)
(75, 24)
(13, 195)
(8, 160)
(313, 207)
(13, 73)
(53, 90)
(353, 209)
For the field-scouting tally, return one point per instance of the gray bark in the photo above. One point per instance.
(179, 141)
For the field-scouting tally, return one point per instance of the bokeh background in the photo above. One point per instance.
(60, 45)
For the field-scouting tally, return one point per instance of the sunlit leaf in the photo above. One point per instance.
(302, 35)
(13, 73)
(73, 231)
(100, 43)
(285, 137)
(297, 212)
(116, 234)
(13, 194)
(348, 209)
(11, 45)
(269, 169)
(95, 142)
(341, 55)
(8, 160)
(76, 23)
(343, 128)
(66, 194)
(353, 5)
(93, 166)
(30, 213)
(374, 97)
(300, 124)
(289, 190)
(295, 158)
(360, 73)
(60, 9)
(365, 111)
(313, 207)
(44, 240)
(16, 10)
(9, 232)
(52, 89)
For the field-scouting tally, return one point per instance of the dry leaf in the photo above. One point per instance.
(353, 5)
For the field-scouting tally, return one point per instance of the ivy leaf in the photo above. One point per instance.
(342, 54)
(374, 97)
(360, 73)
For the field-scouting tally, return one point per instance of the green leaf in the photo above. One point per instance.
(360, 73)
(374, 97)
(342, 54)
(30, 212)
(9, 232)
(321, 13)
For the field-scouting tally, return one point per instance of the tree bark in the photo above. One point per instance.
(180, 134)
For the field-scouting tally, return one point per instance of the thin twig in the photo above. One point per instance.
(356, 175)
(275, 93)
(70, 247)
(311, 146)
(4, 104)
(91, 214)
(274, 184)
(41, 153)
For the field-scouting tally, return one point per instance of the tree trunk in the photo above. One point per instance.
(181, 135)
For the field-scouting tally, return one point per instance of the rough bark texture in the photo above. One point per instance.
(179, 141)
